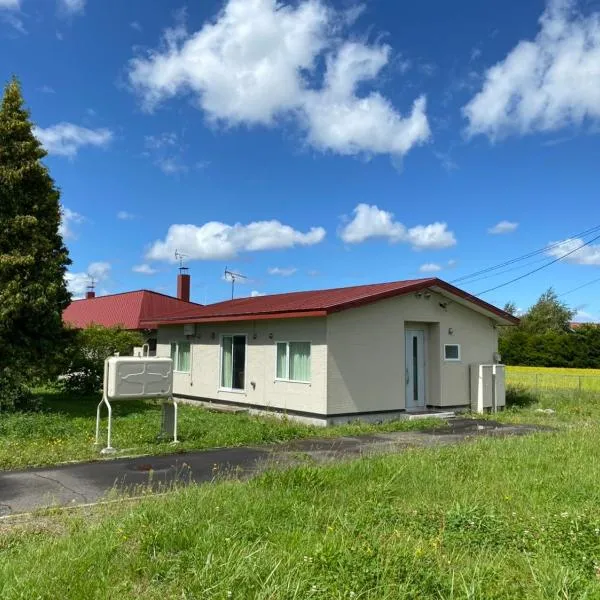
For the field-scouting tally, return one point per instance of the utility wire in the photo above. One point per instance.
(539, 268)
(580, 287)
(526, 256)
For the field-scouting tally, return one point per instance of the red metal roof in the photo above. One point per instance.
(128, 309)
(317, 303)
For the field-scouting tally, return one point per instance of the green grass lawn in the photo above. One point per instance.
(495, 518)
(64, 430)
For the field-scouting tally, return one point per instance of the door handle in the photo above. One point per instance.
(407, 377)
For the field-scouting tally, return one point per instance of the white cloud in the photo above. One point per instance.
(545, 84)
(144, 269)
(78, 282)
(123, 215)
(256, 294)
(68, 219)
(46, 89)
(10, 4)
(171, 165)
(371, 222)
(503, 227)
(283, 271)
(430, 268)
(167, 152)
(252, 64)
(72, 7)
(135, 25)
(219, 241)
(588, 255)
(340, 121)
(66, 139)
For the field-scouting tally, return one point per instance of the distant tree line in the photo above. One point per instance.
(546, 337)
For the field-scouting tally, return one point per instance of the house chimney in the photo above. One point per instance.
(91, 289)
(183, 284)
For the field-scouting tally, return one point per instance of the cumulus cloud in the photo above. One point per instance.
(503, 227)
(545, 84)
(219, 241)
(77, 283)
(588, 255)
(10, 4)
(253, 65)
(430, 268)
(66, 139)
(123, 215)
(256, 294)
(144, 269)
(72, 7)
(68, 219)
(371, 222)
(283, 271)
(341, 121)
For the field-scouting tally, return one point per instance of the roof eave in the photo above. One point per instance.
(237, 318)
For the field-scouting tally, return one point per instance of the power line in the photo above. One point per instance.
(525, 256)
(580, 287)
(540, 268)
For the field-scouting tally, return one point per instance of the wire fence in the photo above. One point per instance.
(554, 381)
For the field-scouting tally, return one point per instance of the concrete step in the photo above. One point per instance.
(430, 414)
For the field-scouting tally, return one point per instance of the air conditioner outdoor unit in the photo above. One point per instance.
(189, 329)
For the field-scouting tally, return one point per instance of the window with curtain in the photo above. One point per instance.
(181, 356)
(233, 362)
(293, 361)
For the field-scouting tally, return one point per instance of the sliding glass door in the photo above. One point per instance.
(233, 362)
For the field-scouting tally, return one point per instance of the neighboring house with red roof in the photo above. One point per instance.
(135, 310)
(326, 356)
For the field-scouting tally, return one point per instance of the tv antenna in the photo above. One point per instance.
(233, 277)
(91, 287)
(181, 258)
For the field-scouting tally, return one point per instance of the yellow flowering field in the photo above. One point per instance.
(548, 378)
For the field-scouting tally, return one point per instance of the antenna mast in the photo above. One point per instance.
(181, 258)
(233, 277)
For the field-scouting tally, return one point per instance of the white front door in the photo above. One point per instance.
(415, 368)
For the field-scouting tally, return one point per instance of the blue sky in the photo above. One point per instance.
(317, 143)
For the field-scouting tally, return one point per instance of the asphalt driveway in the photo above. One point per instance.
(82, 483)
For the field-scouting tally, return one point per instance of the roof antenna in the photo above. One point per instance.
(233, 277)
(91, 287)
(181, 258)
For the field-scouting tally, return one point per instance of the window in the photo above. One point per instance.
(293, 361)
(180, 354)
(233, 362)
(452, 352)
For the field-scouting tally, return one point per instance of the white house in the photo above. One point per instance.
(368, 352)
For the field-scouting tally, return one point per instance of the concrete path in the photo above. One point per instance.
(74, 484)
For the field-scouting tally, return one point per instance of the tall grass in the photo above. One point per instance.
(497, 518)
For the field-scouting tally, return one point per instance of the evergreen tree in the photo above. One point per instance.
(33, 257)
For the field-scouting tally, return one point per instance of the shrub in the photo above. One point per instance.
(91, 347)
(519, 396)
(14, 393)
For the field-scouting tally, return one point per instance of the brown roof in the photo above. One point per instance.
(128, 310)
(318, 303)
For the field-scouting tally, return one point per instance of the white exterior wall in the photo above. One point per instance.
(203, 381)
(365, 362)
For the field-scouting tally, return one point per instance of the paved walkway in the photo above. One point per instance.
(24, 491)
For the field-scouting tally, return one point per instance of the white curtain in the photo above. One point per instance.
(184, 357)
(300, 361)
(282, 361)
(227, 366)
